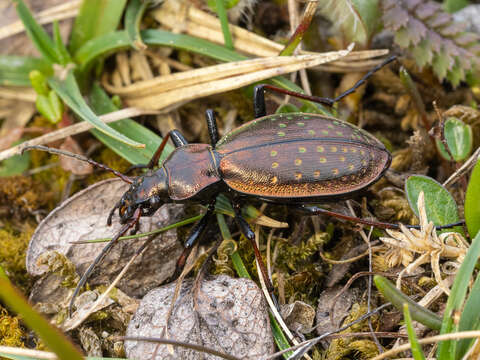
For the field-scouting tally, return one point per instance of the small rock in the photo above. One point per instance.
(298, 316)
(229, 315)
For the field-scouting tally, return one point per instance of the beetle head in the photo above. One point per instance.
(147, 192)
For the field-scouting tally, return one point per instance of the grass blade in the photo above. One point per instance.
(14, 70)
(37, 34)
(102, 104)
(52, 337)
(470, 319)
(222, 15)
(96, 18)
(447, 349)
(397, 298)
(412, 337)
(70, 94)
(133, 18)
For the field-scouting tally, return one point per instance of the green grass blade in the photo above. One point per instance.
(447, 349)
(102, 104)
(412, 337)
(397, 298)
(37, 34)
(96, 18)
(472, 205)
(52, 337)
(60, 46)
(133, 19)
(14, 70)
(70, 94)
(470, 319)
(222, 15)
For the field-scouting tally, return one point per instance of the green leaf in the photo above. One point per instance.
(39, 82)
(15, 165)
(412, 337)
(397, 298)
(51, 336)
(222, 15)
(15, 70)
(470, 319)
(102, 104)
(96, 18)
(439, 203)
(447, 349)
(454, 5)
(133, 19)
(472, 203)
(37, 34)
(287, 108)
(459, 138)
(370, 15)
(62, 50)
(422, 53)
(70, 94)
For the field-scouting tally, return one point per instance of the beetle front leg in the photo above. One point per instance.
(195, 235)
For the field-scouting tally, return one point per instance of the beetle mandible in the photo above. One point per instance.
(294, 158)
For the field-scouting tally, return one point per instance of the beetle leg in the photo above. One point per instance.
(212, 127)
(250, 235)
(195, 235)
(132, 222)
(177, 139)
(259, 102)
(259, 107)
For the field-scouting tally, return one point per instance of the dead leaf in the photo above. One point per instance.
(72, 165)
(83, 217)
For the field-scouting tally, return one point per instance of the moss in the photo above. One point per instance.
(11, 333)
(12, 254)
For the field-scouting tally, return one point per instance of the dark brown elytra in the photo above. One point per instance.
(297, 159)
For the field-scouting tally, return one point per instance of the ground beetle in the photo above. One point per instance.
(296, 158)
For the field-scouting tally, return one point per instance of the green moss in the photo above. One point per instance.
(12, 254)
(11, 333)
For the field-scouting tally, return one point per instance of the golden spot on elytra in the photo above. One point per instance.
(274, 165)
(273, 153)
(306, 117)
(336, 122)
(301, 149)
(335, 171)
(362, 152)
(316, 173)
(300, 123)
(274, 180)
(364, 162)
(344, 178)
(289, 117)
(325, 132)
(339, 133)
(342, 158)
(345, 149)
(353, 150)
(311, 132)
(330, 126)
(322, 160)
(320, 148)
(333, 149)
(298, 162)
(298, 176)
(281, 133)
(282, 125)
(351, 167)
(353, 136)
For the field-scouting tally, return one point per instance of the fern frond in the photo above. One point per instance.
(433, 38)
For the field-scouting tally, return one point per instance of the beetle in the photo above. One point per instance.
(295, 158)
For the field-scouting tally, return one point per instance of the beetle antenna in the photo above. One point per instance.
(105, 250)
(78, 157)
(325, 100)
